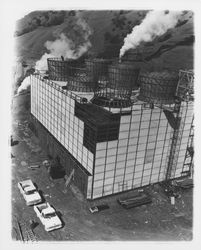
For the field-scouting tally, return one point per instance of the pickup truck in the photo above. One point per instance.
(48, 217)
(29, 192)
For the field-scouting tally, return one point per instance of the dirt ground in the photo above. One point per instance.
(158, 220)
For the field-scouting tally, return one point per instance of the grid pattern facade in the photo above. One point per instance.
(137, 157)
(55, 111)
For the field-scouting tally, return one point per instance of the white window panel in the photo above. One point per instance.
(111, 159)
(112, 144)
(129, 171)
(140, 160)
(99, 176)
(79, 152)
(100, 153)
(111, 151)
(132, 144)
(123, 135)
(80, 140)
(130, 162)
(146, 117)
(137, 175)
(124, 127)
(97, 192)
(99, 168)
(151, 145)
(120, 165)
(136, 117)
(98, 183)
(90, 163)
(101, 145)
(81, 124)
(122, 150)
(108, 181)
(110, 167)
(123, 142)
(100, 161)
(141, 147)
(121, 157)
(131, 156)
(91, 156)
(108, 190)
(84, 157)
(135, 128)
(125, 119)
(118, 179)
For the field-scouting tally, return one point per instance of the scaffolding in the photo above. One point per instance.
(188, 166)
(184, 92)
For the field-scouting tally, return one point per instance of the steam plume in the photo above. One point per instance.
(69, 44)
(24, 85)
(156, 23)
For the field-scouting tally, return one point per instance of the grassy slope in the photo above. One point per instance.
(30, 46)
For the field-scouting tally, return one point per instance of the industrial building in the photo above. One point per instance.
(117, 129)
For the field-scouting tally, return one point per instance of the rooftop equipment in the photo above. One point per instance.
(158, 87)
(117, 90)
(59, 69)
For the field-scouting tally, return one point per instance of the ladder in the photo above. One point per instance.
(185, 87)
(184, 93)
(69, 178)
(175, 142)
(188, 160)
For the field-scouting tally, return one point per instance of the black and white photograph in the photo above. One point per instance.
(102, 125)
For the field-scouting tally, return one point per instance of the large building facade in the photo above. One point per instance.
(111, 149)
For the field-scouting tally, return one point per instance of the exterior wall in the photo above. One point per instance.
(55, 149)
(139, 155)
(55, 110)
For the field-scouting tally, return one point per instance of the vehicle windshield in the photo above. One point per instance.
(29, 192)
(49, 215)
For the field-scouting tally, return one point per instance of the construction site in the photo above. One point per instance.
(115, 133)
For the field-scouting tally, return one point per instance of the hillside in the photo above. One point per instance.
(174, 49)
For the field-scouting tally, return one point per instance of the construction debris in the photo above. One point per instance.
(135, 201)
(34, 166)
(185, 184)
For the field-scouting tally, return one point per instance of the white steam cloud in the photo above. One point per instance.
(156, 23)
(25, 84)
(67, 47)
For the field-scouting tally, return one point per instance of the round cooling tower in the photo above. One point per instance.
(158, 87)
(89, 78)
(132, 56)
(59, 69)
(98, 68)
(137, 55)
(122, 79)
(80, 81)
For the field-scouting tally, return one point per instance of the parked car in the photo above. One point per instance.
(48, 216)
(98, 208)
(29, 192)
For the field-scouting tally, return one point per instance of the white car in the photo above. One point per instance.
(48, 216)
(29, 192)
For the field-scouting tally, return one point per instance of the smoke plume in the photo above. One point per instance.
(71, 43)
(156, 23)
(24, 85)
